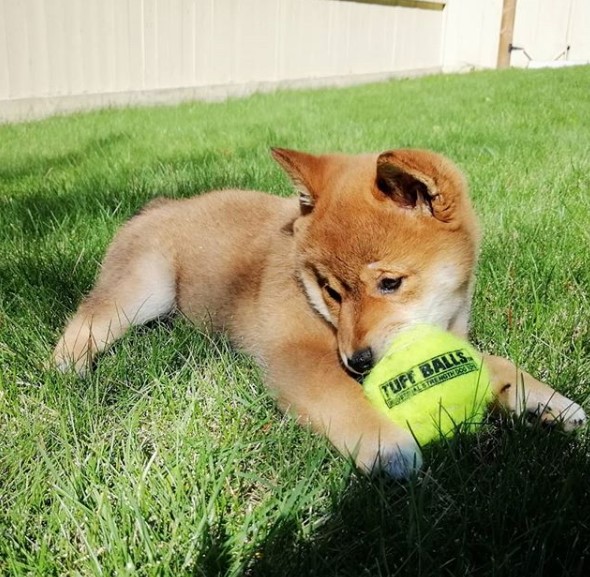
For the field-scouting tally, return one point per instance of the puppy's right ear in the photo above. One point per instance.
(305, 171)
(422, 180)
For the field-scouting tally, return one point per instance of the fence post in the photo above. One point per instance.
(506, 33)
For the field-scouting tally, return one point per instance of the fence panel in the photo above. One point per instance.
(541, 28)
(64, 54)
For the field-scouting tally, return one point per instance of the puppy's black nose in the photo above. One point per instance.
(361, 361)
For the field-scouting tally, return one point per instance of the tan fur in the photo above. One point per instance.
(304, 286)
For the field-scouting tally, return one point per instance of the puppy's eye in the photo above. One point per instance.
(334, 295)
(389, 285)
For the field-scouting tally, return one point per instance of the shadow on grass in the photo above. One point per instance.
(44, 285)
(515, 501)
(40, 166)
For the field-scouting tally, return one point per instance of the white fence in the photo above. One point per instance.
(63, 54)
(546, 28)
(59, 55)
(543, 28)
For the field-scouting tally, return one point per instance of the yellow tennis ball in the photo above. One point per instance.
(430, 381)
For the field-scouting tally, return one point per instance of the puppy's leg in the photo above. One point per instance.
(135, 285)
(311, 384)
(518, 391)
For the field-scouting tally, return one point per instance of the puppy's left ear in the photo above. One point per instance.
(305, 171)
(420, 180)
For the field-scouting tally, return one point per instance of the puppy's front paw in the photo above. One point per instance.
(398, 456)
(560, 410)
(520, 393)
(401, 462)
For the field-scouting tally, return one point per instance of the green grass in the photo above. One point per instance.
(171, 459)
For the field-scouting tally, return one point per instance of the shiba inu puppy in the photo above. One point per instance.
(314, 288)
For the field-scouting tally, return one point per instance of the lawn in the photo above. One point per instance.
(171, 459)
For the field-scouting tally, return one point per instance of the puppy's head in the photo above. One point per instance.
(384, 242)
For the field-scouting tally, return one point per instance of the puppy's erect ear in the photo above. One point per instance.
(419, 179)
(305, 170)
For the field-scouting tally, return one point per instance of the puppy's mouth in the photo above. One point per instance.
(344, 362)
(358, 377)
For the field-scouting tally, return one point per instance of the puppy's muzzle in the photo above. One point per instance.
(361, 361)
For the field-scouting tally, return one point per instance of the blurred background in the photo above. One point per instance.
(66, 55)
